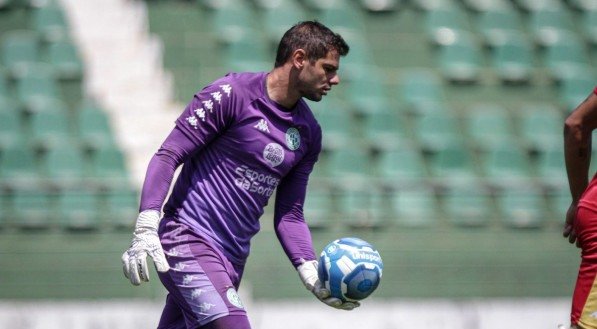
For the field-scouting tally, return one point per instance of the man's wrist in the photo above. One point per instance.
(148, 219)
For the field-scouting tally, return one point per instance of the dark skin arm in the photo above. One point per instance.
(578, 130)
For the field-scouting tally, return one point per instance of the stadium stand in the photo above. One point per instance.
(454, 109)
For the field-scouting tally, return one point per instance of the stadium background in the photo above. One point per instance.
(443, 148)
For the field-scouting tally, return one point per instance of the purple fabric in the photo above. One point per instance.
(201, 282)
(237, 146)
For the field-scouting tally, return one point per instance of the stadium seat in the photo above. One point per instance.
(419, 87)
(377, 6)
(530, 6)
(350, 166)
(11, 129)
(467, 204)
(336, 120)
(361, 207)
(233, 23)
(489, 125)
(93, 127)
(583, 5)
(19, 168)
(429, 5)
(540, 126)
(37, 86)
(452, 163)
(342, 16)
(403, 165)
(435, 130)
(108, 168)
(414, 208)
(278, 18)
(497, 25)
(120, 208)
(32, 209)
(551, 168)
(50, 22)
(367, 93)
(319, 208)
(567, 56)
(460, 61)
(19, 49)
(575, 88)
(481, 6)
(588, 24)
(505, 166)
(65, 166)
(559, 201)
(64, 58)
(248, 54)
(50, 128)
(78, 210)
(445, 24)
(512, 60)
(522, 208)
(549, 25)
(384, 130)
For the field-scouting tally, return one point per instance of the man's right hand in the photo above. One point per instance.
(145, 242)
(569, 231)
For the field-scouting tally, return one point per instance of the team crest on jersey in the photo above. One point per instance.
(293, 138)
(273, 153)
(233, 298)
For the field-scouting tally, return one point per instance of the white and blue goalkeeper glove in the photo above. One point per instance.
(145, 242)
(308, 274)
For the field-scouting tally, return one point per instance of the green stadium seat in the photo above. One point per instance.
(65, 166)
(360, 61)
(489, 125)
(512, 60)
(565, 57)
(64, 58)
(429, 5)
(93, 127)
(414, 208)
(384, 130)
(521, 208)
(550, 25)
(50, 128)
(79, 210)
(121, 207)
(248, 55)
(588, 25)
(342, 16)
(443, 25)
(319, 208)
(37, 85)
(530, 6)
(11, 130)
(108, 168)
(481, 6)
(467, 204)
(367, 93)
(20, 48)
(336, 120)
(32, 209)
(4, 92)
(403, 165)
(419, 87)
(551, 168)
(540, 126)
(233, 23)
(378, 6)
(559, 201)
(460, 62)
(575, 88)
(50, 22)
(277, 19)
(452, 163)
(350, 166)
(19, 168)
(505, 166)
(435, 130)
(497, 25)
(583, 5)
(361, 207)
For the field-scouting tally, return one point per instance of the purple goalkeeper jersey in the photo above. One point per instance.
(240, 147)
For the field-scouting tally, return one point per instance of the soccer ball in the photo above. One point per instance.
(350, 268)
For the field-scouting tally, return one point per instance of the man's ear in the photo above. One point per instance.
(298, 58)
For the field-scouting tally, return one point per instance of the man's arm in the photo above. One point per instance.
(578, 130)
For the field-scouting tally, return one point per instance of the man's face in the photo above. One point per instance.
(317, 78)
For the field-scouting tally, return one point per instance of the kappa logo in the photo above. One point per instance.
(196, 293)
(262, 125)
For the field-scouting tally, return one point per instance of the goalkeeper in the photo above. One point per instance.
(239, 139)
(581, 218)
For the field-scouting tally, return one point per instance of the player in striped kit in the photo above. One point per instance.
(581, 218)
(241, 138)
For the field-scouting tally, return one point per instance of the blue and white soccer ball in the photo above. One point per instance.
(350, 268)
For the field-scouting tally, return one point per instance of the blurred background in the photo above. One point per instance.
(442, 148)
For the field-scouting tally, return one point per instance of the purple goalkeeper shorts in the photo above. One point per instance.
(201, 282)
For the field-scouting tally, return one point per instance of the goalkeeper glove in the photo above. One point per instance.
(308, 274)
(145, 242)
